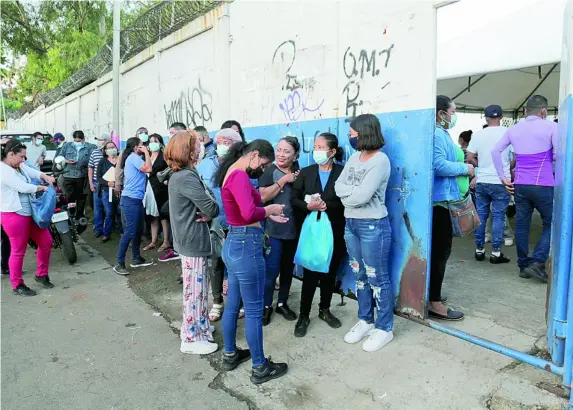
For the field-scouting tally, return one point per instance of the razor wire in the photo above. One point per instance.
(155, 24)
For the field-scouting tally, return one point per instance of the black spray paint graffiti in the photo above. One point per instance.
(355, 68)
(192, 108)
(294, 106)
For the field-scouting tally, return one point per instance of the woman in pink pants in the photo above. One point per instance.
(16, 213)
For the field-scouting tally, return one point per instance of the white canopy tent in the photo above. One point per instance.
(501, 60)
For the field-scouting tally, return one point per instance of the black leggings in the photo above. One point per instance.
(442, 236)
(327, 282)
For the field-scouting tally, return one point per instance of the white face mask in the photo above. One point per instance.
(222, 150)
(39, 142)
(320, 157)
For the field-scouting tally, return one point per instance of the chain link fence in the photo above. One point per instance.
(152, 26)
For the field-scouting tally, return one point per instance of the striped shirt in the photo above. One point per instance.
(95, 158)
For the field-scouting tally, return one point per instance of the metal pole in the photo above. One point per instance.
(116, 63)
(4, 109)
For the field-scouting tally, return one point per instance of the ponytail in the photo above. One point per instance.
(339, 156)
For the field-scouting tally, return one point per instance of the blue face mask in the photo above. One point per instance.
(78, 144)
(353, 142)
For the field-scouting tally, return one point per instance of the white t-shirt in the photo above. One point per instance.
(481, 144)
(34, 152)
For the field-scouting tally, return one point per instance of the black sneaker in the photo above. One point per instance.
(268, 371)
(329, 318)
(23, 290)
(480, 256)
(44, 280)
(301, 326)
(496, 260)
(180, 280)
(523, 274)
(537, 271)
(120, 269)
(140, 263)
(232, 362)
(267, 313)
(286, 312)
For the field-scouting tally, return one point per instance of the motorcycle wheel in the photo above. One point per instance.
(68, 247)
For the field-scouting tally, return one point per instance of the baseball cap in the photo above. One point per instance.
(104, 137)
(493, 111)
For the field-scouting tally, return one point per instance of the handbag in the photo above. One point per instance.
(217, 238)
(316, 243)
(43, 204)
(464, 216)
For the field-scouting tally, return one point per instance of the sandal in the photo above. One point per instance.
(150, 246)
(215, 312)
(452, 315)
(241, 313)
(164, 247)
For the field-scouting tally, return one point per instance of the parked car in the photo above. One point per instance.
(26, 138)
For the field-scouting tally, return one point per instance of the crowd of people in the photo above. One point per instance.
(230, 209)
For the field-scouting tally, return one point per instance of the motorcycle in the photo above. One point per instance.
(65, 227)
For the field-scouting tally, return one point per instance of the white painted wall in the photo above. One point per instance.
(248, 61)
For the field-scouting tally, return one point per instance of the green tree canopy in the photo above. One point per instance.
(57, 37)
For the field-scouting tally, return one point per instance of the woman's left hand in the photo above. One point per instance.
(48, 179)
(281, 219)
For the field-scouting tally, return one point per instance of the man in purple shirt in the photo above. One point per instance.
(533, 140)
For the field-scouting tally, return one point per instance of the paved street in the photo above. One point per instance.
(92, 343)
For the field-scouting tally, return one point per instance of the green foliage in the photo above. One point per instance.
(57, 37)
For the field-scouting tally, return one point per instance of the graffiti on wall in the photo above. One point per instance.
(192, 107)
(295, 104)
(358, 67)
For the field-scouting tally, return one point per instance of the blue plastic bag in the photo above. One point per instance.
(43, 205)
(316, 243)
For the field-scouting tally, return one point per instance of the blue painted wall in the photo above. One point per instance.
(409, 142)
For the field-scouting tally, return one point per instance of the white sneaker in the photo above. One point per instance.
(377, 340)
(201, 347)
(508, 241)
(358, 332)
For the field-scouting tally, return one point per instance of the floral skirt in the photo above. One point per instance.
(195, 325)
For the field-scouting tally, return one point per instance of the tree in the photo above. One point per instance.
(57, 37)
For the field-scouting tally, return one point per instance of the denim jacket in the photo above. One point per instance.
(207, 170)
(80, 168)
(446, 168)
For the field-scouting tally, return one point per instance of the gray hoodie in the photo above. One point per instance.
(188, 195)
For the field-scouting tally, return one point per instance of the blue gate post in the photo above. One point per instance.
(568, 363)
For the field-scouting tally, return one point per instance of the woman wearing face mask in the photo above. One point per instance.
(362, 190)
(109, 160)
(243, 254)
(143, 136)
(275, 187)
(156, 194)
(16, 216)
(191, 206)
(320, 179)
(131, 203)
(450, 184)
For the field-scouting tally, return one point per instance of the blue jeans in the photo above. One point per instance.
(98, 212)
(279, 261)
(133, 215)
(368, 244)
(527, 198)
(498, 197)
(243, 256)
(111, 213)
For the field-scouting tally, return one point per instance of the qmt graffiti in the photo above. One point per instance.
(192, 107)
(294, 105)
(356, 68)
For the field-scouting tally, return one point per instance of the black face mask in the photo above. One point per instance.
(255, 173)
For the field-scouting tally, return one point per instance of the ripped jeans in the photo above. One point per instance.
(368, 244)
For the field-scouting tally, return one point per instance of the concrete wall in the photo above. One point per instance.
(292, 68)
